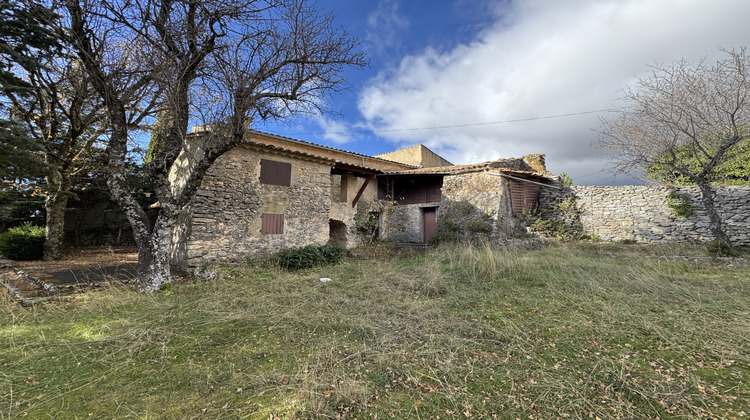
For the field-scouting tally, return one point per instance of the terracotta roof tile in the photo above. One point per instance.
(513, 164)
(360, 156)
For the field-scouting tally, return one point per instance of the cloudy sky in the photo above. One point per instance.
(478, 80)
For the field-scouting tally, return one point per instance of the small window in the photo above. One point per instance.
(271, 224)
(275, 173)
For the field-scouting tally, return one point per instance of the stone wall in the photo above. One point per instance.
(641, 213)
(406, 223)
(222, 223)
(474, 200)
(472, 205)
(344, 189)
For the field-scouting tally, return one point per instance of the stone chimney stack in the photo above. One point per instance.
(536, 162)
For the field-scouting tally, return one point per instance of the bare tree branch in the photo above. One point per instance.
(684, 113)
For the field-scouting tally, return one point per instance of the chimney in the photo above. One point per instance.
(536, 162)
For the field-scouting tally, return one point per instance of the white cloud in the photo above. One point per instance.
(543, 58)
(334, 131)
(385, 25)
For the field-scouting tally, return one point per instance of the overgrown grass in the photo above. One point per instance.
(580, 330)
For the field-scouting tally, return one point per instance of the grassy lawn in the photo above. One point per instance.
(567, 331)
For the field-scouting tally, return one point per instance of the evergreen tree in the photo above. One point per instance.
(158, 135)
(25, 29)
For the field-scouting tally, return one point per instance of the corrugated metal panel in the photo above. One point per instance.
(271, 224)
(275, 173)
(523, 196)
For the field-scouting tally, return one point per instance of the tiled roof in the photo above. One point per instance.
(514, 164)
(296, 152)
(360, 156)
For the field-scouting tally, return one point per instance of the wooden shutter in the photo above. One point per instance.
(271, 224)
(433, 190)
(275, 173)
(418, 190)
(523, 196)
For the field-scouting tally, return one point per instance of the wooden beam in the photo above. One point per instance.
(355, 169)
(362, 189)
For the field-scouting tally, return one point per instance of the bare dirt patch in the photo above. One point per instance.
(85, 265)
(80, 269)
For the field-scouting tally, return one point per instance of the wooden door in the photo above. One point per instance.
(430, 220)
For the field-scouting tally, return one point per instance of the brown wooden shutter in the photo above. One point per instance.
(271, 224)
(433, 193)
(275, 173)
(418, 190)
(523, 196)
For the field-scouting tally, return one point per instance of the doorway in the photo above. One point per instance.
(430, 221)
(337, 232)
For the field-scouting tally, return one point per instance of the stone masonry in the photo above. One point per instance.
(641, 213)
(223, 222)
(469, 201)
(478, 197)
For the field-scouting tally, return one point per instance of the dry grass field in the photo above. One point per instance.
(565, 331)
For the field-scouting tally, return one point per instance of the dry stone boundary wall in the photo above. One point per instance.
(641, 213)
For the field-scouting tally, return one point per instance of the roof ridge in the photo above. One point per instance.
(285, 138)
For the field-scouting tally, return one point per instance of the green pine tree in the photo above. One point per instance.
(158, 137)
(25, 28)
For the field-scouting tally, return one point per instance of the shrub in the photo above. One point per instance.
(308, 256)
(680, 205)
(477, 226)
(444, 237)
(25, 242)
(558, 230)
(566, 180)
(722, 249)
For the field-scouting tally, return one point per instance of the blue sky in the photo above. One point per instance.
(479, 80)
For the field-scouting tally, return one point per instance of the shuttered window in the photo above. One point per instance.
(275, 173)
(523, 196)
(271, 224)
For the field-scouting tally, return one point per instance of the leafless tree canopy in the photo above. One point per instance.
(704, 108)
(682, 113)
(225, 63)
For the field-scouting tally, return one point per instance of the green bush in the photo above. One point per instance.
(24, 242)
(477, 226)
(723, 249)
(444, 237)
(309, 256)
(680, 204)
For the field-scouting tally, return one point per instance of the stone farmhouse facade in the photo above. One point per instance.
(274, 192)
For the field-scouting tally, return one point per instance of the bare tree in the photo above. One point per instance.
(232, 61)
(681, 114)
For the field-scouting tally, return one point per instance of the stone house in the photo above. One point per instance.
(480, 199)
(273, 192)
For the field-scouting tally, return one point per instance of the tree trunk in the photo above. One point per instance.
(55, 205)
(716, 225)
(153, 255)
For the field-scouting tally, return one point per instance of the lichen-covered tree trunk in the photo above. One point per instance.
(153, 256)
(55, 204)
(716, 226)
(153, 243)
